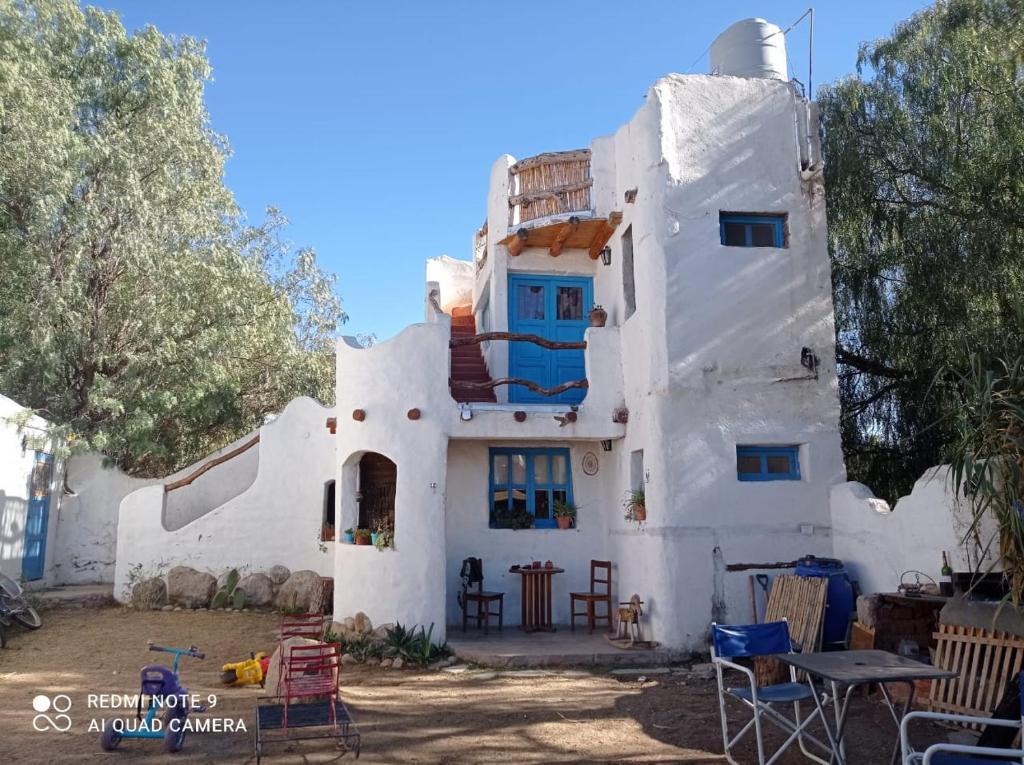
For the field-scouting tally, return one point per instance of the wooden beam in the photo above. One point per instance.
(564, 232)
(518, 242)
(211, 464)
(604, 234)
(549, 193)
(554, 345)
(465, 386)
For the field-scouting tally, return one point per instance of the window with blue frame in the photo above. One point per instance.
(752, 230)
(525, 484)
(768, 463)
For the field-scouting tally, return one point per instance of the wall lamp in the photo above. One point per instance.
(606, 445)
(606, 255)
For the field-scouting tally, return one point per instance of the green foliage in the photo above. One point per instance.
(229, 594)
(365, 647)
(516, 518)
(636, 502)
(138, 311)
(924, 172)
(987, 463)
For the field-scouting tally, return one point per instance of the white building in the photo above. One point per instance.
(700, 227)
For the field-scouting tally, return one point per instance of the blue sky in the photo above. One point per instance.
(373, 125)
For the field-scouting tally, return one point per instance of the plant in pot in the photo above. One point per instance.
(384, 537)
(362, 536)
(349, 536)
(327, 533)
(565, 513)
(636, 505)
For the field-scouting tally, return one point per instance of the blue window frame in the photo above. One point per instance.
(739, 230)
(768, 463)
(525, 484)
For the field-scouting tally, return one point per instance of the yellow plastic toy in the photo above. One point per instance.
(249, 672)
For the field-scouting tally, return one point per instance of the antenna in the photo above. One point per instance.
(810, 47)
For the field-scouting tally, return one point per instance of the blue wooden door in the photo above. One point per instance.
(37, 518)
(556, 308)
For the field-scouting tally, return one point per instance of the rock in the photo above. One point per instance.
(274, 670)
(381, 632)
(191, 588)
(347, 658)
(177, 608)
(302, 591)
(279, 574)
(398, 663)
(386, 663)
(372, 662)
(222, 580)
(640, 672)
(456, 669)
(150, 593)
(363, 624)
(168, 607)
(258, 589)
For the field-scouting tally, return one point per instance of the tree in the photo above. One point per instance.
(924, 165)
(137, 310)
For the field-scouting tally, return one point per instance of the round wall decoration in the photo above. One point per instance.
(590, 463)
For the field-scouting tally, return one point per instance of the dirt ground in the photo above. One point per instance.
(404, 715)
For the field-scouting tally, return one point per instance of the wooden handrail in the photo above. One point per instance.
(554, 345)
(489, 384)
(211, 464)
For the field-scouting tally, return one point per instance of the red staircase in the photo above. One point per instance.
(468, 362)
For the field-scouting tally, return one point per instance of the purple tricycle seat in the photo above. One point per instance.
(158, 680)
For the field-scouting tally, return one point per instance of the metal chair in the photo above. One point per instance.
(310, 671)
(745, 642)
(473, 573)
(600, 592)
(962, 754)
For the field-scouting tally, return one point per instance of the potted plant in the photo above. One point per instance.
(636, 505)
(598, 316)
(349, 536)
(327, 533)
(384, 537)
(362, 536)
(565, 513)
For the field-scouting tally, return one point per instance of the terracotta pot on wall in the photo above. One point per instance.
(640, 514)
(598, 316)
(564, 522)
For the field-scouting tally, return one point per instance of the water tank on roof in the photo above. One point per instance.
(750, 48)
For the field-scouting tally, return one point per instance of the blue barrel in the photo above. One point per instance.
(839, 601)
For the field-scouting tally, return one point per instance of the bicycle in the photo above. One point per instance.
(14, 607)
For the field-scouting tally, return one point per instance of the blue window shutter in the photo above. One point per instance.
(748, 223)
(532, 485)
(752, 463)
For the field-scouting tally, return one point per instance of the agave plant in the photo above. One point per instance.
(987, 461)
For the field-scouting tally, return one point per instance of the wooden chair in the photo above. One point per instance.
(473, 573)
(600, 592)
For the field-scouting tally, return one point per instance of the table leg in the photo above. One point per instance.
(841, 716)
(522, 602)
(551, 622)
(832, 741)
(911, 688)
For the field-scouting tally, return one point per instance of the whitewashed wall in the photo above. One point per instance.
(16, 462)
(879, 544)
(276, 520)
(454, 279)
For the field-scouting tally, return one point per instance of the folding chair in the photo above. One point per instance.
(745, 642)
(312, 670)
(962, 754)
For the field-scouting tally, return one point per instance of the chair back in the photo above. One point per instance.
(472, 572)
(312, 669)
(745, 640)
(309, 626)
(601, 574)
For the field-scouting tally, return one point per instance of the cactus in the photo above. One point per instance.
(229, 593)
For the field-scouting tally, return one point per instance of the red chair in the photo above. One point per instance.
(309, 626)
(310, 671)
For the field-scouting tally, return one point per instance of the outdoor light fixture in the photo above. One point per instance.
(465, 412)
(606, 445)
(606, 256)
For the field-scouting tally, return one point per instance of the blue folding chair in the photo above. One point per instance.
(748, 641)
(960, 754)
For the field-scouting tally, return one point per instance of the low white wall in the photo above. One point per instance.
(277, 520)
(213, 488)
(467, 524)
(878, 544)
(85, 546)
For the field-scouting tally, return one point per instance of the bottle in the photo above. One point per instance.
(946, 585)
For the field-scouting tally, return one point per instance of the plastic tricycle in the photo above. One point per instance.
(161, 686)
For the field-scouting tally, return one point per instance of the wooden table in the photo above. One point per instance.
(536, 598)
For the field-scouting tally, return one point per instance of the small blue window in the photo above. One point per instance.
(768, 463)
(746, 230)
(524, 486)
